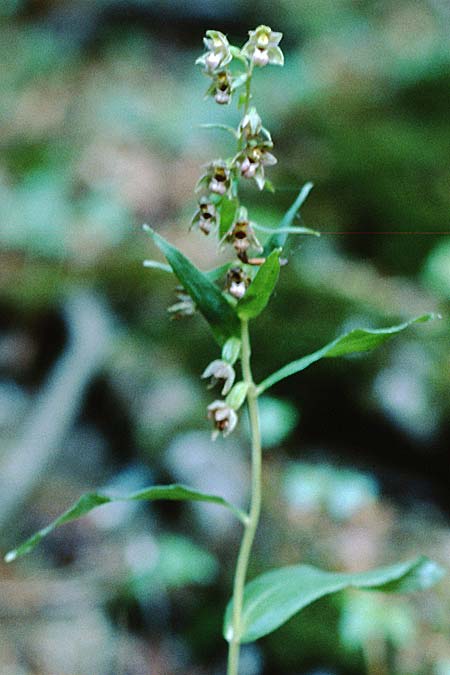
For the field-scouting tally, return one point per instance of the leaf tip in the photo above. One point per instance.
(229, 633)
(430, 572)
(147, 228)
(10, 556)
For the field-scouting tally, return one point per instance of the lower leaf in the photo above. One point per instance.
(274, 597)
(92, 500)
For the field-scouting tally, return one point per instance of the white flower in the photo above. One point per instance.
(223, 417)
(262, 47)
(219, 370)
(218, 54)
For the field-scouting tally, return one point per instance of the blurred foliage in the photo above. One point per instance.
(99, 133)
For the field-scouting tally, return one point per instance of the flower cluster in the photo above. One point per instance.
(218, 207)
(260, 50)
(215, 60)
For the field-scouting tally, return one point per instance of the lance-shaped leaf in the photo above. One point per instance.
(357, 340)
(218, 312)
(258, 293)
(274, 597)
(213, 275)
(92, 500)
(280, 235)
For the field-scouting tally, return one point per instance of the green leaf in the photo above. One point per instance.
(278, 239)
(274, 597)
(218, 272)
(92, 500)
(223, 127)
(156, 265)
(213, 275)
(218, 312)
(357, 340)
(286, 230)
(258, 293)
(227, 210)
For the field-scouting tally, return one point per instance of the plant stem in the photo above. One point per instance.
(247, 88)
(255, 506)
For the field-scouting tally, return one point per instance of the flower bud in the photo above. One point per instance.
(231, 350)
(237, 395)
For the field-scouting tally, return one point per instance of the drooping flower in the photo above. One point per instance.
(262, 47)
(220, 371)
(216, 178)
(223, 417)
(237, 282)
(206, 216)
(218, 52)
(184, 306)
(242, 236)
(253, 163)
(253, 132)
(221, 87)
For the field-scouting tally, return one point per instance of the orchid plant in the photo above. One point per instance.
(229, 298)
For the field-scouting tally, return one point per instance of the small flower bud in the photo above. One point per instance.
(220, 371)
(237, 395)
(223, 417)
(231, 350)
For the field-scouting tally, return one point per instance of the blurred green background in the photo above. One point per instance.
(100, 110)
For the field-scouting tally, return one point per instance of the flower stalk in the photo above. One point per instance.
(255, 506)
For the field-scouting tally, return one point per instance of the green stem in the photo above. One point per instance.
(255, 507)
(248, 83)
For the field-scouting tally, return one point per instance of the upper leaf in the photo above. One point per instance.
(219, 313)
(280, 235)
(357, 340)
(274, 597)
(92, 500)
(258, 293)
